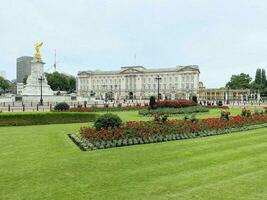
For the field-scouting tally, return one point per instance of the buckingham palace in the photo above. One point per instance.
(138, 82)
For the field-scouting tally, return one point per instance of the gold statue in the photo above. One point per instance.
(37, 53)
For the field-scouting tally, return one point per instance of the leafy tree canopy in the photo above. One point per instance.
(60, 81)
(241, 81)
(4, 84)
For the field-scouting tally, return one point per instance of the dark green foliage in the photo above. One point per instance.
(25, 79)
(108, 120)
(4, 84)
(225, 115)
(19, 119)
(152, 102)
(62, 82)
(260, 81)
(194, 98)
(241, 81)
(62, 106)
(161, 118)
(219, 103)
(245, 112)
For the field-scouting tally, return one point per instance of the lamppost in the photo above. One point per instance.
(116, 92)
(158, 78)
(228, 95)
(173, 90)
(41, 99)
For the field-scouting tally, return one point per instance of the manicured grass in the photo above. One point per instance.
(41, 162)
(134, 116)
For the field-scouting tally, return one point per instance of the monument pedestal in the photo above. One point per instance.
(33, 86)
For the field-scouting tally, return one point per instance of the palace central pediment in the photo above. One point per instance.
(131, 71)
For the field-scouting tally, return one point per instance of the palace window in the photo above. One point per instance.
(187, 78)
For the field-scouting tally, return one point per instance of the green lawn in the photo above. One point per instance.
(40, 162)
(134, 116)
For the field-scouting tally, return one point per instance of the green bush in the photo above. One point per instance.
(258, 112)
(62, 106)
(161, 118)
(108, 120)
(225, 115)
(152, 102)
(220, 103)
(194, 98)
(20, 119)
(245, 112)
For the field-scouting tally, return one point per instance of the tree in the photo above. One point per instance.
(60, 81)
(241, 81)
(263, 77)
(258, 77)
(25, 79)
(152, 102)
(4, 84)
(72, 83)
(260, 80)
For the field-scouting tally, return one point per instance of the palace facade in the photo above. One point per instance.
(138, 82)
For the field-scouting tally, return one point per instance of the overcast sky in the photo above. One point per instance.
(222, 37)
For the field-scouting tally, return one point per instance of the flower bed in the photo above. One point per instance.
(175, 103)
(174, 111)
(150, 131)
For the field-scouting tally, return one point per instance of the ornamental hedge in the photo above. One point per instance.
(142, 132)
(174, 111)
(19, 119)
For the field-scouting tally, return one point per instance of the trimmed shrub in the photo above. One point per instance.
(220, 103)
(152, 102)
(225, 115)
(194, 98)
(160, 118)
(62, 106)
(21, 119)
(108, 120)
(245, 112)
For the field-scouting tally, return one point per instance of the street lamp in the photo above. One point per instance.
(158, 78)
(41, 99)
(228, 95)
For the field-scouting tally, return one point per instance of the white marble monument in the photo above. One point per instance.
(34, 81)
